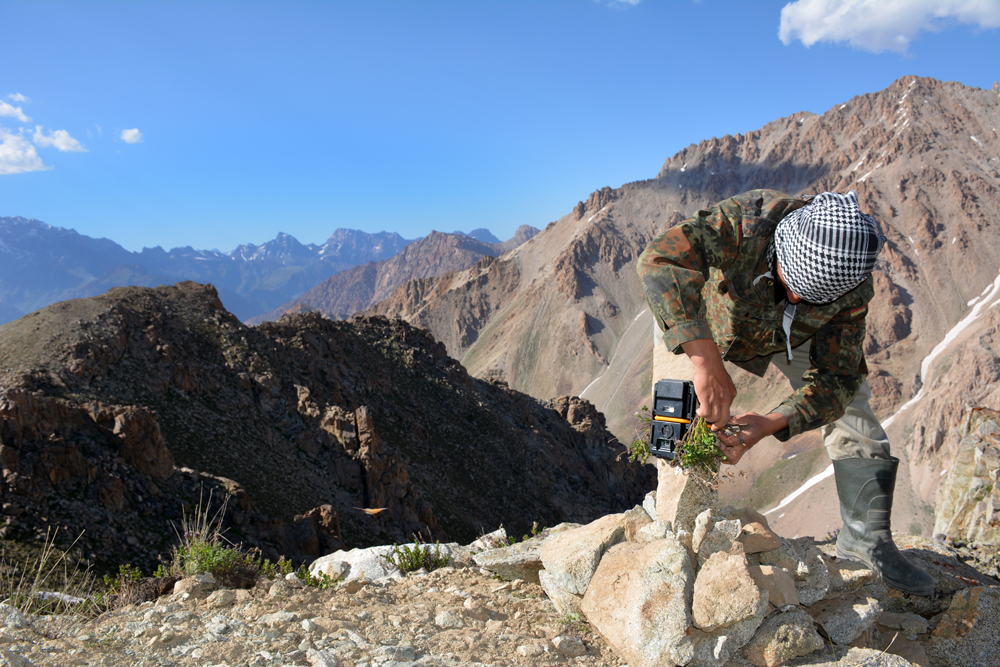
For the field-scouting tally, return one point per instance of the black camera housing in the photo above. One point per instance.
(674, 405)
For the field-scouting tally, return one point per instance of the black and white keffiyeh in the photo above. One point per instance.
(827, 248)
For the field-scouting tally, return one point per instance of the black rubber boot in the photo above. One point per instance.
(865, 488)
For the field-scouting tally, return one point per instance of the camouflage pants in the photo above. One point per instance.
(856, 435)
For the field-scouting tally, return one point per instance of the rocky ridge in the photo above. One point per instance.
(120, 413)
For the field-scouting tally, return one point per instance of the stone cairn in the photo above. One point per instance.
(682, 581)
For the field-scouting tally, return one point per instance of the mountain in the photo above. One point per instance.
(43, 264)
(121, 412)
(564, 313)
(356, 289)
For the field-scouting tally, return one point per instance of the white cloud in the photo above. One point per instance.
(17, 155)
(17, 97)
(133, 136)
(879, 25)
(15, 112)
(58, 139)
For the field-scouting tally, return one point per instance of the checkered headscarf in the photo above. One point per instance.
(827, 248)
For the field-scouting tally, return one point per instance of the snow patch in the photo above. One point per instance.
(843, 105)
(949, 338)
(811, 482)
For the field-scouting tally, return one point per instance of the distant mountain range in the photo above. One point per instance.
(41, 264)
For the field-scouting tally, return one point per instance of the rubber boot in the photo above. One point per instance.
(865, 488)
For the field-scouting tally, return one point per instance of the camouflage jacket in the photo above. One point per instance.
(698, 277)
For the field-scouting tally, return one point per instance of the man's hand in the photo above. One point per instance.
(712, 383)
(749, 429)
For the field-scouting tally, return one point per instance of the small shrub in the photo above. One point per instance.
(410, 559)
(203, 550)
(700, 447)
(320, 580)
(638, 450)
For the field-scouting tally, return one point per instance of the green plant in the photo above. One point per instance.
(699, 448)
(203, 550)
(410, 559)
(574, 622)
(638, 450)
(320, 580)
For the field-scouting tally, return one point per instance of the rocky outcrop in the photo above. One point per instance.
(968, 507)
(122, 414)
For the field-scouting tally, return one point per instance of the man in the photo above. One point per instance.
(764, 278)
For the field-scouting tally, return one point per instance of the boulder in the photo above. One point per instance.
(565, 602)
(967, 632)
(778, 583)
(364, 564)
(784, 636)
(521, 560)
(756, 535)
(639, 600)
(725, 593)
(570, 558)
(682, 495)
(845, 619)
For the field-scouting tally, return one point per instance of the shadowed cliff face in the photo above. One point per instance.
(303, 421)
(561, 313)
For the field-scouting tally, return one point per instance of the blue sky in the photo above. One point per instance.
(212, 124)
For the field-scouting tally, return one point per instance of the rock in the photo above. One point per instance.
(12, 617)
(845, 619)
(777, 582)
(220, 599)
(814, 585)
(702, 524)
(655, 530)
(570, 558)
(756, 535)
(681, 496)
(784, 556)
(532, 650)
(846, 576)
(325, 658)
(907, 622)
(725, 593)
(968, 502)
(11, 659)
(635, 520)
(571, 647)
(786, 635)
(362, 564)
(278, 620)
(639, 601)
(475, 609)
(197, 586)
(567, 603)
(649, 504)
(448, 619)
(719, 539)
(967, 632)
(521, 560)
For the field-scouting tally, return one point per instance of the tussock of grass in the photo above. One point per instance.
(419, 556)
